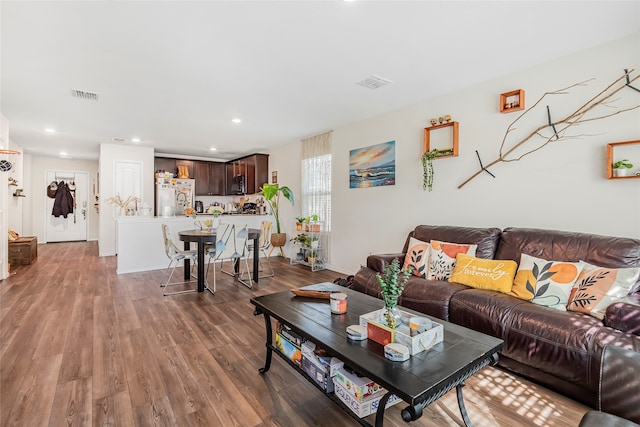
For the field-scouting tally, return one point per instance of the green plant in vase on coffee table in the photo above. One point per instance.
(392, 286)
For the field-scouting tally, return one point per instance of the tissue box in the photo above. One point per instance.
(365, 406)
(402, 334)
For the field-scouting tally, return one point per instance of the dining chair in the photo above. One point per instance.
(175, 256)
(231, 245)
(264, 244)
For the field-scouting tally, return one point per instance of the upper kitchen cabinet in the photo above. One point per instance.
(166, 165)
(210, 178)
(247, 174)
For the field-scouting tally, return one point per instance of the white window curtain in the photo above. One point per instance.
(316, 184)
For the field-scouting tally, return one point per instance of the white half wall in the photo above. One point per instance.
(109, 155)
(562, 186)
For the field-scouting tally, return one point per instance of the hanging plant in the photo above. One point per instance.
(427, 168)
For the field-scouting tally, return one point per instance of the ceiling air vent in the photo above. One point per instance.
(116, 139)
(83, 94)
(374, 82)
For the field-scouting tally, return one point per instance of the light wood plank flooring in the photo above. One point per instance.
(82, 346)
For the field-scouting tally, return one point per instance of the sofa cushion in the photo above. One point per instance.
(546, 283)
(496, 275)
(485, 238)
(599, 287)
(429, 296)
(442, 258)
(417, 257)
(607, 251)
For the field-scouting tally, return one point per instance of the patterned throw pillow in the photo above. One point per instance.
(599, 287)
(479, 273)
(546, 283)
(442, 258)
(417, 257)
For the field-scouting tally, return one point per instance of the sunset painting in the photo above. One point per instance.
(373, 166)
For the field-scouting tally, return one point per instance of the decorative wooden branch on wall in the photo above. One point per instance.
(559, 127)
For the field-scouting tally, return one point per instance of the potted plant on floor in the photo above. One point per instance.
(271, 193)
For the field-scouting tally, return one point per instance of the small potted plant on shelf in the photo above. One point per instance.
(313, 225)
(300, 239)
(621, 167)
(312, 257)
(313, 242)
(299, 222)
(427, 168)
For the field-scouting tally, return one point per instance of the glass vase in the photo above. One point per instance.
(390, 314)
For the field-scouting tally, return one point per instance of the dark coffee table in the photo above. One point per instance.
(420, 381)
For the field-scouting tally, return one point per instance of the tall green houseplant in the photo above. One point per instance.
(271, 193)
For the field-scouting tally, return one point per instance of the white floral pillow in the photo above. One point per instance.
(442, 258)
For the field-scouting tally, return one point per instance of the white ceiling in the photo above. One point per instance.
(176, 73)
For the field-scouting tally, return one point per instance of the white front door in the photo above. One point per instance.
(74, 226)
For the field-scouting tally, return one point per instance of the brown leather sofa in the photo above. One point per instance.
(560, 350)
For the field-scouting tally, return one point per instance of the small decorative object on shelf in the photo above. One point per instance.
(621, 167)
(434, 121)
(512, 101)
(447, 118)
(392, 286)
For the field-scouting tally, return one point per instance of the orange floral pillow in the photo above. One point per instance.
(599, 287)
(546, 283)
(442, 258)
(417, 257)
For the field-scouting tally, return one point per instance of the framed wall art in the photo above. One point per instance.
(373, 166)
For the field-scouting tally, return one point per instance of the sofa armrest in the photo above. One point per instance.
(377, 262)
(625, 315)
(619, 385)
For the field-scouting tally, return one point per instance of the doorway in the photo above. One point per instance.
(74, 226)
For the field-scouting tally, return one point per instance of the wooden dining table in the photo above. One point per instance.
(202, 237)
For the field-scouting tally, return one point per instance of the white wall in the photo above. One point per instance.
(563, 186)
(4, 201)
(35, 201)
(109, 155)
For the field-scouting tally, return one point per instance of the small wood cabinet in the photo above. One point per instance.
(166, 165)
(210, 178)
(23, 251)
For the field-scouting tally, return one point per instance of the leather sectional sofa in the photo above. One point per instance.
(558, 349)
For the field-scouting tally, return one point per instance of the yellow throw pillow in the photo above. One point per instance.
(479, 273)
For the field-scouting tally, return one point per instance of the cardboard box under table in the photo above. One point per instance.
(364, 405)
(320, 368)
(401, 335)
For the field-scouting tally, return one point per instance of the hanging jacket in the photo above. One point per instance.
(63, 203)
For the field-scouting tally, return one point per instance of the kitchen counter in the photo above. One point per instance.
(139, 242)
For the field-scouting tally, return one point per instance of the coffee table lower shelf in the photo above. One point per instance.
(411, 412)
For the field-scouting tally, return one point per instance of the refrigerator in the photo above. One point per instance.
(174, 195)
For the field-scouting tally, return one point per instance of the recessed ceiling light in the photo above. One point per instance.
(50, 130)
(236, 120)
(136, 140)
(64, 153)
(213, 148)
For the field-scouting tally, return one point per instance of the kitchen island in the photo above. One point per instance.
(139, 242)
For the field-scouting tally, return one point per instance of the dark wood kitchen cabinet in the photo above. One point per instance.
(166, 165)
(254, 168)
(210, 178)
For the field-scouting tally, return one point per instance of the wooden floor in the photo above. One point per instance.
(82, 346)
